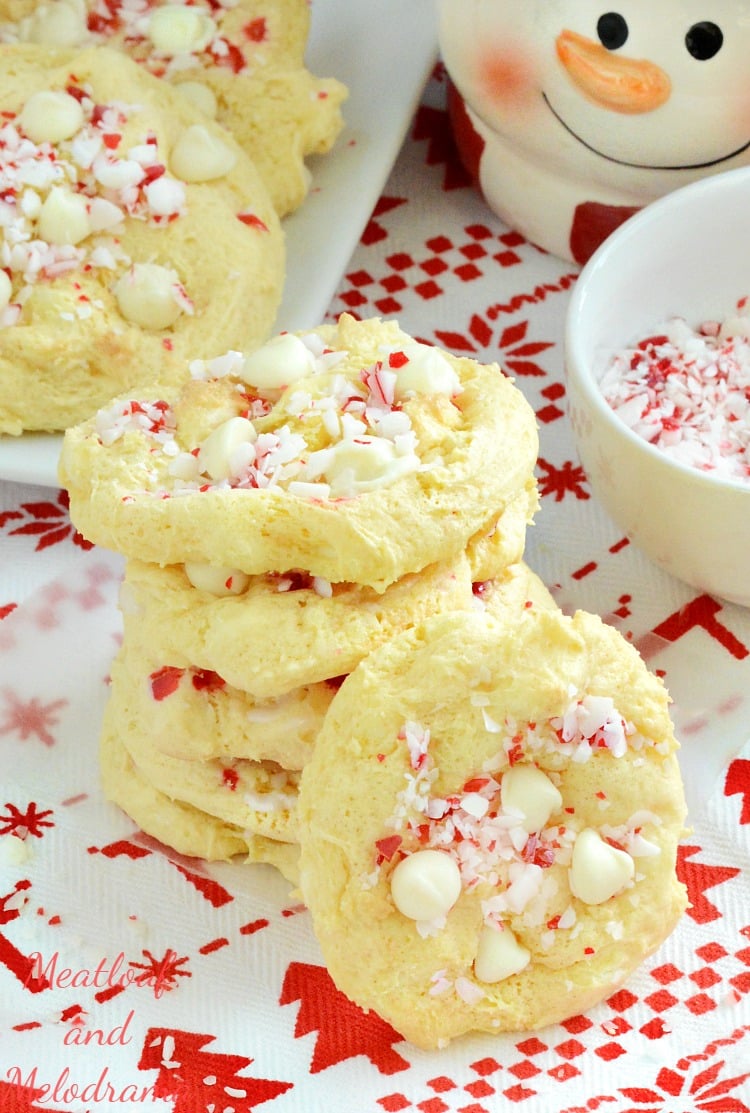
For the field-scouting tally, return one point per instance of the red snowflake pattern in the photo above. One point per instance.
(160, 974)
(566, 480)
(31, 718)
(21, 824)
(700, 1082)
(46, 520)
(515, 351)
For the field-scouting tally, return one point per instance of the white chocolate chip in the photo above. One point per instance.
(427, 372)
(201, 96)
(6, 290)
(145, 294)
(200, 156)
(598, 870)
(50, 116)
(279, 362)
(165, 196)
(365, 464)
(178, 29)
(216, 580)
(63, 218)
(104, 214)
(218, 447)
(425, 885)
(528, 790)
(59, 24)
(499, 955)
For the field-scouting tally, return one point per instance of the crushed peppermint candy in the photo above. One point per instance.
(488, 840)
(464, 988)
(360, 437)
(687, 392)
(154, 419)
(88, 182)
(149, 37)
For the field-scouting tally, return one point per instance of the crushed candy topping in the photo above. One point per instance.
(361, 437)
(493, 843)
(687, 392)
(165, 40)
(62, 202)
(152, 419)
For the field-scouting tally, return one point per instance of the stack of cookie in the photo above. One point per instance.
(335, 661)
(283, 514)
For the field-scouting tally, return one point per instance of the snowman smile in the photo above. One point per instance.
(642, 165)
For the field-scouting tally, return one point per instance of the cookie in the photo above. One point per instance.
(183, 828)
(240, 63)
(351, 452)
(255, 796)
(137, 235)
(489, 824)
(505, 541)
(192, 713)
(278, 632)
(514, 590)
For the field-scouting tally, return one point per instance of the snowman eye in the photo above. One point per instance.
(612, 30)
(703, 40)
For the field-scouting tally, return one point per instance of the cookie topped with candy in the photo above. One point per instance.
(241, 62)
(489, 823)
(352, 452)
(113, 188)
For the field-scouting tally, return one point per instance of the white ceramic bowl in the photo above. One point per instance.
(684, 255)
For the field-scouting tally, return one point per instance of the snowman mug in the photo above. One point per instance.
(571, 116)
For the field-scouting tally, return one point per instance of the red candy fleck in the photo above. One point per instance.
(252, 221)
(224, 53)
(538, 853)
(515, 753)
(256, 31)
(165, 681)
(151, 173)
(476, 784)
(75, 92)
(397, 359)
(387, 847)
(230, 778)
(205, 680)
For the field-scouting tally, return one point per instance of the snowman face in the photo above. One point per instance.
(634, 89)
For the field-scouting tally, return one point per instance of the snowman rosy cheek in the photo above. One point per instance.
(507, 76)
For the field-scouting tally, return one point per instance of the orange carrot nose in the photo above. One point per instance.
(621, 84)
